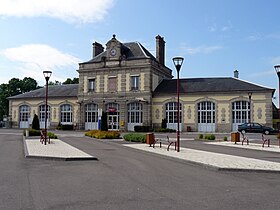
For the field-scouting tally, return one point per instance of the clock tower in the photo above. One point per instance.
(113, 48)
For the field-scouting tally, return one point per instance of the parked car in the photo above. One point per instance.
(255, 128)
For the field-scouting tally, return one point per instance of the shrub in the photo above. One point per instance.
(200, 136)
(32, 132)
(210, 136)
(52, 135)
(167, 130)
(142, 128)
(164, 123)
(225, 138)
(135, 137)
(103, 134)
(35, 123)
(104, 123)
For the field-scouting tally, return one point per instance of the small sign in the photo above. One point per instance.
(112, 109)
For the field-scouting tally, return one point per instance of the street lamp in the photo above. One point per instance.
(47, 75)
(250, 109)
(178, 61)
(277, 69)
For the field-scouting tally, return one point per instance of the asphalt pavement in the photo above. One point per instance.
(220, 159)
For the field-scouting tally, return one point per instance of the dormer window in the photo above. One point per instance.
(135, 82)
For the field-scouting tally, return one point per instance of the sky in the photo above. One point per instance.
(215, 37)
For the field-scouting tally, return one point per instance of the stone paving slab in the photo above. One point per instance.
(252, 146)
(57, 149)
(216, 160)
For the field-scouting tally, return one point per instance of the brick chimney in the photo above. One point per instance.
(160, 49)
(97, 49)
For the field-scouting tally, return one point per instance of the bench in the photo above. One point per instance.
(42, 137)
(168, 141)
(264, 139)
(244, 138)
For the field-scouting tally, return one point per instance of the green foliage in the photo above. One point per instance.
(200, 136)
(225, 138)
(164, 123)
(135, 137)
(165, 130)
(32, 132)
(14, 87)
(35, 123)
(103, 134)
(104, 123)
(71, 81)
(210, 137)
(52, 135)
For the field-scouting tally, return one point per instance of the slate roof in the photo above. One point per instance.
(131, 50)
(207, 85)
(69, 90)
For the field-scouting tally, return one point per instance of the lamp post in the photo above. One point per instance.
(178, 61)
(250, 109)
(277, 69)
(47, 75)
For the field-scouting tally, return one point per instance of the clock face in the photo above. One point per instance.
(113, 52)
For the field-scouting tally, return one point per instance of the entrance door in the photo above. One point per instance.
(113, 122)
(206, 116)
(91, 117)
(113, 116)
(134, 115)
(24, 114)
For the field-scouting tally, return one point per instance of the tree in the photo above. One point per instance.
(14, 87)
(35, 123)
(71, 81)
(104, 123)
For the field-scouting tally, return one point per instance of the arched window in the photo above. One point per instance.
(171, 114)
(134, 115)
(66, 114)
(42, 116)
(91, 116)
(240, 113)
(206, 116)
(24, 115)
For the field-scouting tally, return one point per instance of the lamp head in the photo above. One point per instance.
(178, 61)
(47, 75)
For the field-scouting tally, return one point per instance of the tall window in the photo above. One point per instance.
(135, 82)
(112, 84)
(240, 112)
(171, 112)
(66, 114)
(24, 112)
(91, 113)
(206, 112)
(42, 113)
(135, 114)
(91, 85)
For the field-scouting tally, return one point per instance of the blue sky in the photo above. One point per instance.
(215, 37)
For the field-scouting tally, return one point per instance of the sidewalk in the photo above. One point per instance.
(215, 160)
(57, 149)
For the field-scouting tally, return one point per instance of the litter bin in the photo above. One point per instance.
(235, 137)
(150, 138)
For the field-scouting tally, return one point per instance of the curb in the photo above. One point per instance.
(26, 154)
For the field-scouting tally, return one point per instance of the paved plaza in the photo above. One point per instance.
(58, 149)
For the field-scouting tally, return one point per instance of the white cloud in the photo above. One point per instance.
(200, 49)
(32, 59)
(72, 11)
